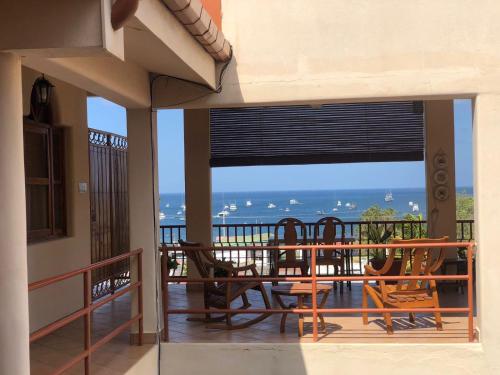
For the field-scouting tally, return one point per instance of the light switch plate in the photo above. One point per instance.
(82, 187)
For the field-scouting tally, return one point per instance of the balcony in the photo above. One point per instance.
(243, 244)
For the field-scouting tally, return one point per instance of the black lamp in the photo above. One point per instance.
(42, 89)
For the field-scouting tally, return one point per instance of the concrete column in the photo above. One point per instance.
(486, 132)
(198, 178)
(14, 322)
(143, 207)
(440, 170)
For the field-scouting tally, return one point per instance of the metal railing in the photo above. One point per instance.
(89, 306)
(260, 235)
(314, 278)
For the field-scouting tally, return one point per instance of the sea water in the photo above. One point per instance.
(310, 207)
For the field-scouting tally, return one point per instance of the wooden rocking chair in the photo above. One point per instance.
(220, 295)
(407, 293)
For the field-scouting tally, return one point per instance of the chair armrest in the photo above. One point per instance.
(369, 270)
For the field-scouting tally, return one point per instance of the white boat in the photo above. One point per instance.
(415, 207)
(353, 206)
(339, 204)
(271, 205)
(179, 213)
(162, 216)
(287, 209)
(233, 207)
(335, 209)
(183, 207)
(348, 204)
(167, 205)
(388, 197)
(248, 203)
(294, 201)
(322, 212)
(226, 207)
(223, 213)
(410, 203)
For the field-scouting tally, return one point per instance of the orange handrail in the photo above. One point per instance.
(314, 279)
(89, 307)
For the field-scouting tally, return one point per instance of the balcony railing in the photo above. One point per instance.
(314, 309)
(260, 235)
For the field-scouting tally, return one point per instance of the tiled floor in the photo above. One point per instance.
(115, 357)
(340, 328)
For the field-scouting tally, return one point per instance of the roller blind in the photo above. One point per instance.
(333, 133)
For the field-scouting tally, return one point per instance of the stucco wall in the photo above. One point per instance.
(73, 251)
(334, 50)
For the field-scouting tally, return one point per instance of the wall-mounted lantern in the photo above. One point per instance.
(40, 99)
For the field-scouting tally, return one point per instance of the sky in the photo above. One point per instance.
(107, 116)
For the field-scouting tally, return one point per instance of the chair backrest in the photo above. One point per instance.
(202, 259)
(420, 260)
(333, 232)
(290, 235)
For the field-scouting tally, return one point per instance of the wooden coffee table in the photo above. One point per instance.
(301, 291)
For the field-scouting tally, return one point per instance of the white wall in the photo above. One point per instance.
(54, 257)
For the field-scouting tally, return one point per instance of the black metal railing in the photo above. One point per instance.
(224, 235)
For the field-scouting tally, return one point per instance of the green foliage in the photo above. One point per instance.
(376, 213)
(172, 263)
(465, 207)
(378, 234)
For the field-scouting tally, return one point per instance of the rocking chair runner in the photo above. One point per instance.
(220, 295)
(407, 293)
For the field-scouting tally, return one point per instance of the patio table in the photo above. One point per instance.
(301, 291)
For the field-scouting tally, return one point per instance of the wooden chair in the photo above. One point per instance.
(330, 231)
(288, 259)
(407, 293)
(220, 295)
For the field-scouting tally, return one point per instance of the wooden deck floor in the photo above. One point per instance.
(345, 328)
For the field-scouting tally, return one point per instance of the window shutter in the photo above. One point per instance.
(333, 133)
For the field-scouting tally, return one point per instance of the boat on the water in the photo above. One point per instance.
(294, 201)
(339, 204)
(162, 215)
(233, 207)
(389, 197)
(167, 205)
(410, 203)
(415, 207)
(322, 212)
(348, 204)
(248, 203)
(183, 207)
(223, 213)
(271, 205)
(335, 209)
(287, 209)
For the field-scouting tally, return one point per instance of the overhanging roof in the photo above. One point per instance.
(333, 133)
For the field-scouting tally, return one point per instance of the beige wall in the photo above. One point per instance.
(334, 50)
(54, 257)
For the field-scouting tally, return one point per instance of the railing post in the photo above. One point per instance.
(164, 292)
(470, 290)
(314, 295)
(139, 297)
(87, 298)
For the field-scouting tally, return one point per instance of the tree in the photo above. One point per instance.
(376, 213)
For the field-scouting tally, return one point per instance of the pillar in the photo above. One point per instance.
(14, 322)
(440, 170)
(486, 132)
(143, 209)
(198, 178)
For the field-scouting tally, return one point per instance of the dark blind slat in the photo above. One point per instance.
(334, 133)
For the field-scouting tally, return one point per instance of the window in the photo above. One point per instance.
(44, 171)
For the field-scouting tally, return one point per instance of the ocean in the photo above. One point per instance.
(310, 205)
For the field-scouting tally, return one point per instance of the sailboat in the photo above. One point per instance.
(248, 203)
(389, 197)
(271, 205)
(339, 204)
(415, 207)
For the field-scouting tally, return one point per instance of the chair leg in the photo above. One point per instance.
(411, 317)
(244, 298)
(388, 323)
(435, 300)
(364, 304)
